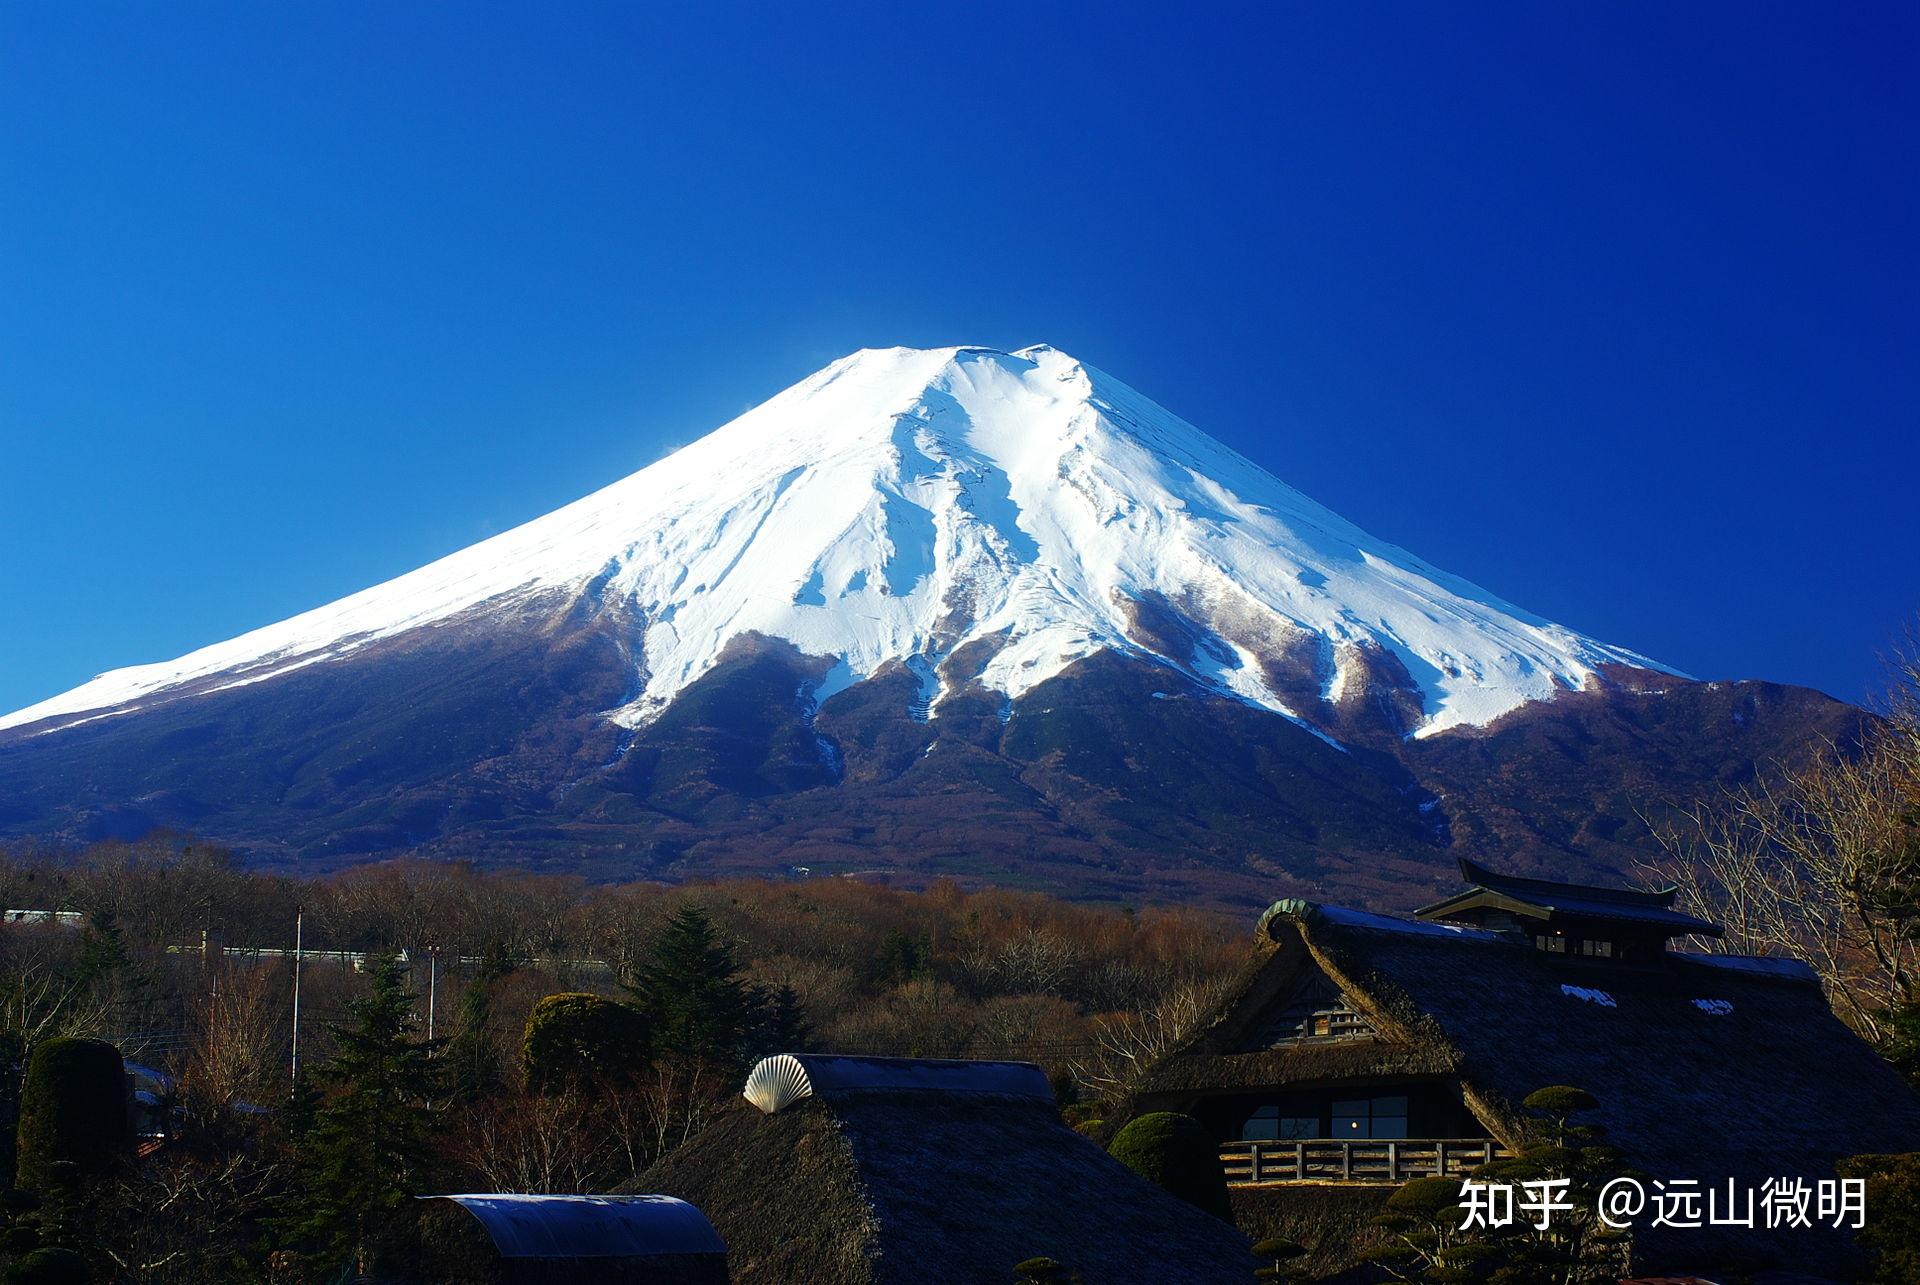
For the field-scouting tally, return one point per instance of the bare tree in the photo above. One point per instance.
(237, 1050)
(918, 1018)
(679, 1096)
(1127, 1044)
(1038, 961)
(1820, 861)
(1020, 1025)
(541, 1144)
(39, 998)
(187, 1214)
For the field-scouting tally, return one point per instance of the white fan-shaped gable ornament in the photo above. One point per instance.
(778, 1082)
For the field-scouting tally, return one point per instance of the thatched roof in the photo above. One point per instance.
(1706, 1067)
(1227, 1053)
(849, 1186)
(788, 1077)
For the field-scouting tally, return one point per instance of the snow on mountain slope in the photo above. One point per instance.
(902, 502)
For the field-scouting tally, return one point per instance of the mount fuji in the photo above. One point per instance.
(927, 611)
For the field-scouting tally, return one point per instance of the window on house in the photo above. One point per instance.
(1383, 1117)
(1270, 1122)
(1552, 943)
(1597, 949)
(1316, 1011)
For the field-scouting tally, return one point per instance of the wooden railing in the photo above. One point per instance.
(1349, 1160)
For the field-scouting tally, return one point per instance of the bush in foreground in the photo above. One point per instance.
(576, 1039)
(1892, 1233)
(73, 1109)
(1177, 1153)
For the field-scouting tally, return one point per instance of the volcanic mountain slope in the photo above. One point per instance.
(951, 610)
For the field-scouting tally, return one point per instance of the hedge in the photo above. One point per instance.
(73, 1107)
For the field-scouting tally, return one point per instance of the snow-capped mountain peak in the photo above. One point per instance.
(902, 503)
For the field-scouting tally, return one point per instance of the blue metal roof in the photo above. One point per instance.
(524, 1226)
(157, 1079)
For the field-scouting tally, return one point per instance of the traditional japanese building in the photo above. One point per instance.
(1357, 1051)
(888, 1171)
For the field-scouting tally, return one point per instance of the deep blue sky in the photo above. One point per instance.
(1613, 311)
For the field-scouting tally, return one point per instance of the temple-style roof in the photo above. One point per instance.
(1554, 901)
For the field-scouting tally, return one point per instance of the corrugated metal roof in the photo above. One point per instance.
(524, 1226)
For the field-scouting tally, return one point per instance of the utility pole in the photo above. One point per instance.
(299, 935)
(210, 956)
(433, 976)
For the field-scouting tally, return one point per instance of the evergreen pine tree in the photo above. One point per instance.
(103, 951)
(106, 969)
(899, 959)
(472, 1062)
(496, 961)
(692, 994)
(783, 1026)
(1900, 1041)
(368, 1148)
(295, 1120)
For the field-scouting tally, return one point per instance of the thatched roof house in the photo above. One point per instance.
(845, 1171)
(499, 1238)
(1358, 1050)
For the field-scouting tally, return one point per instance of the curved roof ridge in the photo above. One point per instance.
(785, 1078)
(524, 1225)
(1347, 917)
(1525, 888)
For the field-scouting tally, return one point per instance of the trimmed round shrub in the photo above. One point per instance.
(577, 1039)
(73, 1109)
(1560, 1100)
(1281, 1254)
(1279, 1247)
(1892, 1235)
(1434, 1198)
(1176, 1152)
(49, 1267)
